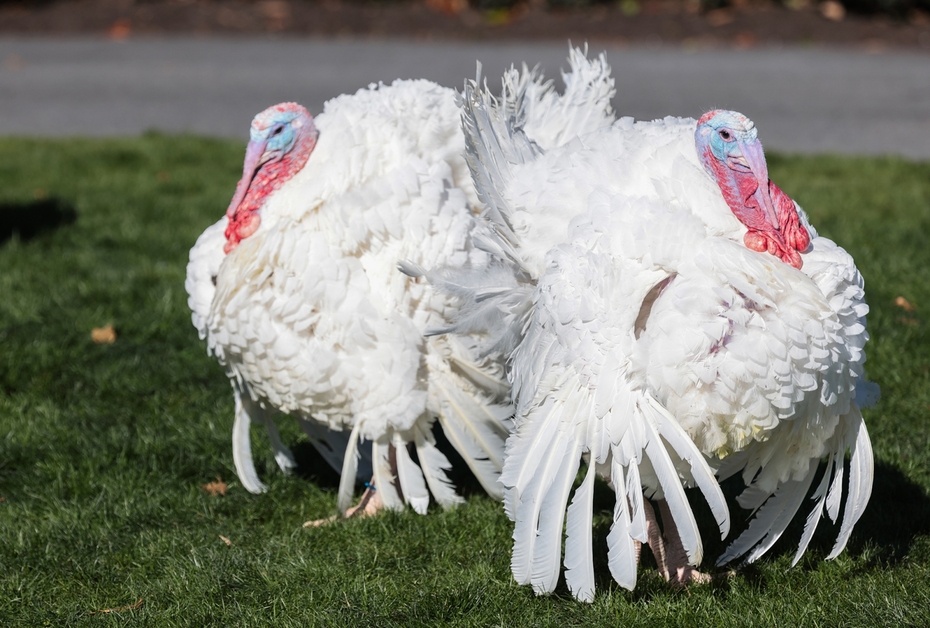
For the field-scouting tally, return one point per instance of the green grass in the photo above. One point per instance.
(104, 448)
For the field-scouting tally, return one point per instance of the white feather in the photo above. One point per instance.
(241, 445)
(579, 550)
(410, 478)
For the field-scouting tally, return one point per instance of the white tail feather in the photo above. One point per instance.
(675, 497)
(282, 454)
(770, 521)
(349, 469)
(474, 429)
(547, 552)
(384, 477)
(621, 553)
(810, 526)
(242, 445)
(434, 465)
(412, 484)
(579, 549)
(703, 476)
(861, 476)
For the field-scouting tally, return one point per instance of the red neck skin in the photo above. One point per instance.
(742, 194)
(244, 218)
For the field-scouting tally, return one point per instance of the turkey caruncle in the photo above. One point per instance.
(679, 321)
(298, 294)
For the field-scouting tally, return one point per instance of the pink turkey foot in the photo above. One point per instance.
(369, 505)
(670, 555)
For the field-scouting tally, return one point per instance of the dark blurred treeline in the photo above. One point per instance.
(898, 9)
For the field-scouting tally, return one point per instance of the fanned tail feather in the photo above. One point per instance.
(384, 478)
(282, 454)
(477, 429)
(551, 119)
(810, 526)
(547, 551)
(770, 521)
(621, 552)
(493, 144)
(528, 500)
(349, 470)
(579, 550)
(861, 476)
(332, 446)
(779, 509)
(435, 465)
(242, 445)
(675, 496)
(410, 478)
(703, 476)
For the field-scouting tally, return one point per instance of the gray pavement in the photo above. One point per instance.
(803, 100)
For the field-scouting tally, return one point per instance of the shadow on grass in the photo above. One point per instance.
(312, 467)
(29, 220)
(898, 513)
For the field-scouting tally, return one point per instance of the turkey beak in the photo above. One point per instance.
(255, 158)
(754, 159)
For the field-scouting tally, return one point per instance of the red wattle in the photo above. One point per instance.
(739, 189)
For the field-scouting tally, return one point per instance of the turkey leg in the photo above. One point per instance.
(670, 555)
(676, 570)
(370, 504)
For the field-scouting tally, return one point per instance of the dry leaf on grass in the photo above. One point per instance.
(130, 607)
(904, 304)
(215, 488)
(226, 541)
(103, 335)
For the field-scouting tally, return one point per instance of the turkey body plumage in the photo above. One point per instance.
(653, 340)
(311, 317)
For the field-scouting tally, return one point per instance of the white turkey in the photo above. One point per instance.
(297, 290)
(673, 314)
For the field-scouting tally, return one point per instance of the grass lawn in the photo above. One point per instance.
(104, 448)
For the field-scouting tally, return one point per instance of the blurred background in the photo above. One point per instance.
(846, 76)
(874, 24)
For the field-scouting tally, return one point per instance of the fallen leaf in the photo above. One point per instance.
(215, 488)
(103, 335)
(226, 541)
(832, 10)
(130, 607)
(39, 194)
(120, 29)
(164, 176)
(907, 320)
(904, 304)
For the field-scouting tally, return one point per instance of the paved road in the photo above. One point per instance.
(802, 100)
